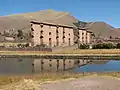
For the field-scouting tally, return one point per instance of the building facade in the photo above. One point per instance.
(52, 35)
(84, 36)
(56, 35)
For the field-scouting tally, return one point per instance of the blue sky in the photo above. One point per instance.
(85, 10)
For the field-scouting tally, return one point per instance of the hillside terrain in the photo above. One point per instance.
(102, 29)
(22, 22)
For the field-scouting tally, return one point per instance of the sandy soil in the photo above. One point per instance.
(86, 83)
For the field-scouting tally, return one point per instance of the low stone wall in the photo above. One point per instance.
(64, 48)
(25, 49)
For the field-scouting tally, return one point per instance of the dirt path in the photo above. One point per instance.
(86, 83)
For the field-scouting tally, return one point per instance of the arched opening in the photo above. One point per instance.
(110, 37)
(69, 41)
(57, 31)
(57, 40)
(32, 29)
(42, 62)
(63, 39)
(50, 42)
(41, 32)
(32, 67)
(31, 24)
(82, 33)
(69, 34)
(63, 35)
(50, 60)
(41, 40)
(57, 65)
(49, 33)
(86, 40)
(64, 64)
(57, 37)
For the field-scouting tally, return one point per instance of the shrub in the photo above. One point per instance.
(26, 45)
(118, 46)
(103, 46)
(41, 46)
(83, 46)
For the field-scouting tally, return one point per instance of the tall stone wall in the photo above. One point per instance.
(52, 35)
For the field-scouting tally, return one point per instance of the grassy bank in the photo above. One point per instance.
(79, 51)
(91, 51)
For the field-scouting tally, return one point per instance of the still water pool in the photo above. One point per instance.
(100, 66)
(37, 65)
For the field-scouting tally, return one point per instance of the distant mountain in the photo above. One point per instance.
(102, 29)
(117, 30)
(22, 21)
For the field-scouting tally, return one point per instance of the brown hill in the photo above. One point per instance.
(22, 21)
(101, 29)
(117, 30)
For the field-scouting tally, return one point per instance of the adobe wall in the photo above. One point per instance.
(51, 33)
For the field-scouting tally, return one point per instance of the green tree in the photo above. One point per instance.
(20, 34)
(118, 46)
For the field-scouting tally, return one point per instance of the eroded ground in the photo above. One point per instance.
(84, 83)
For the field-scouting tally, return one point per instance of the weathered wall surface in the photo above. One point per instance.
(36, 34)
(88, 37)
(52, 35)
(80, 36)
(65, 48)
(84, 37)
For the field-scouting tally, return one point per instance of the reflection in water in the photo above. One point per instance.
(56, 64)
(37, 65)
(99, 61)
(30, 65)
(100, 66)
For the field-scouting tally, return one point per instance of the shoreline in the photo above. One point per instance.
(44, 77)
(64, 56)
(74, 54)
(52, 56)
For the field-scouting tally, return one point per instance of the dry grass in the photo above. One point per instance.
(36, 77)
(52, 76)
(79, 51)
(33, 82)
(92, 51)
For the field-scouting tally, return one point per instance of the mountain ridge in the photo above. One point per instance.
(20, 21)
